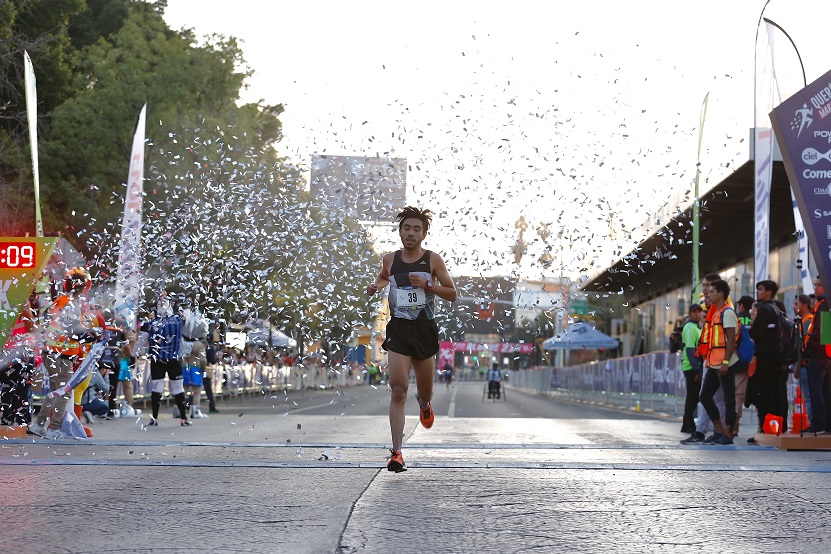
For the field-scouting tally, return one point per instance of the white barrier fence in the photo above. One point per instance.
(235, 379)
(652, 381)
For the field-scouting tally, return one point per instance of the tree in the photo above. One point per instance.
(39, 28)
(190, 90)
(225, 218)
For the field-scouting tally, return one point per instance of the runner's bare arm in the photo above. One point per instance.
(443, 285)
(383, 278)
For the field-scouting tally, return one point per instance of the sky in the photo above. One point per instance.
(580, 116)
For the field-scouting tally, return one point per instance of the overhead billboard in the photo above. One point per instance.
(802, 124)
(365, 188)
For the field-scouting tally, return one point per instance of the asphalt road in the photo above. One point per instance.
(305, 473)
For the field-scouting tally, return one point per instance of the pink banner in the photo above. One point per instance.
(445, 348)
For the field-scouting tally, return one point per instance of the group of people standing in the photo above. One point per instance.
(723, 382)
(81, 357)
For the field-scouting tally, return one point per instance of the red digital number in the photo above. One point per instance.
(14, 255)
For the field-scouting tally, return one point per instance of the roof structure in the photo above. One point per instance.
(663, 262)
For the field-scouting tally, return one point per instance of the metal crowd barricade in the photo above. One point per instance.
(651, 381)
(230, 380)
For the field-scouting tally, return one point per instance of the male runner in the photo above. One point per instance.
(415, 276)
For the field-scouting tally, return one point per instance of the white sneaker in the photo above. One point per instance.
(57, 434)
(39, 430)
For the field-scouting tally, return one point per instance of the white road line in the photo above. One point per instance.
(451, 409)
(573, 466)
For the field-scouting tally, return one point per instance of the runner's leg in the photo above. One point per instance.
(424, 378)
(399, 381)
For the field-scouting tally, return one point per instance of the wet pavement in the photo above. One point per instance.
(301, 480)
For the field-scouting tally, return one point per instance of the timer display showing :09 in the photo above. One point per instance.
(15, 255)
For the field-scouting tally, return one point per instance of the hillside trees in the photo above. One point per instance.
(225, 217)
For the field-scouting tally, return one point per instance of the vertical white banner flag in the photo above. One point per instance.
(763, 151)
(805, 276)
(32, 115)
(127, 286)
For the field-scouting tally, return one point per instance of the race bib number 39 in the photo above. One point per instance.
(410, 298)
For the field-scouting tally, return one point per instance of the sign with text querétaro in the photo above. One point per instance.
(802, 124)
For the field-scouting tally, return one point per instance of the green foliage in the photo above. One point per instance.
(144, 62)
(39, 28)
(225, 217)
(100, 19)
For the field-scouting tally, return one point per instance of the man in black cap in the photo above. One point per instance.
(691, 365)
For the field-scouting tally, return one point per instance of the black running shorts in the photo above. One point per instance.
(171, 368)
(418, 339)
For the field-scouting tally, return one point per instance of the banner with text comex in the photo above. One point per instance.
(802, 124)
(22, 260)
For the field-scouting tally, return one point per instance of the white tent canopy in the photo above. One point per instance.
(258, 329)
(579, 336)
(278, 339)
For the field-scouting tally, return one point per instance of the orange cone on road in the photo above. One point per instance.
(799, 419)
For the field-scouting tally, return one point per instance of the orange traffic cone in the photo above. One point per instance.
(79, 410)
(799, 419)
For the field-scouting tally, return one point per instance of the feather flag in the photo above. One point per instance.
(127, 286)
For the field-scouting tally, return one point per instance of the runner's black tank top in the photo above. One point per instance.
(407, 301)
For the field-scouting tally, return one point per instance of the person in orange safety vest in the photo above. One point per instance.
(72, 327)
(721, 359)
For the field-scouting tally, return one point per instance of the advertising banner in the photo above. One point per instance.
(496, 347)
(805, 276)
(764, 173)
(127, 286)
(802, 124)
(32, 115)
(764, 101)
(21, 263)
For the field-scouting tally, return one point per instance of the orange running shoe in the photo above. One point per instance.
(426, 415)
(396, 461)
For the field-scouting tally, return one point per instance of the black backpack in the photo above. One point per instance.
(788, 343)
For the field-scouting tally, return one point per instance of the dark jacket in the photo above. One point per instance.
(763, 331)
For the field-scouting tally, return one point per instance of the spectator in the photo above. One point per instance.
(194, 360)
(212, 355)
(818, 368)
(770, 370)
(125, 375)
(805, 317)
(92, 402)
(720, 362)
(691, 365)
(17, 364)
(704, 422)
(114, 340)
(744, 305)
(165, 342)
(72, 327)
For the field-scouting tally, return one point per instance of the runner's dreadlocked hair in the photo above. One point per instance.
(425, 216)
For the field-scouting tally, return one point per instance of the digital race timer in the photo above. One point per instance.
(15, 255)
